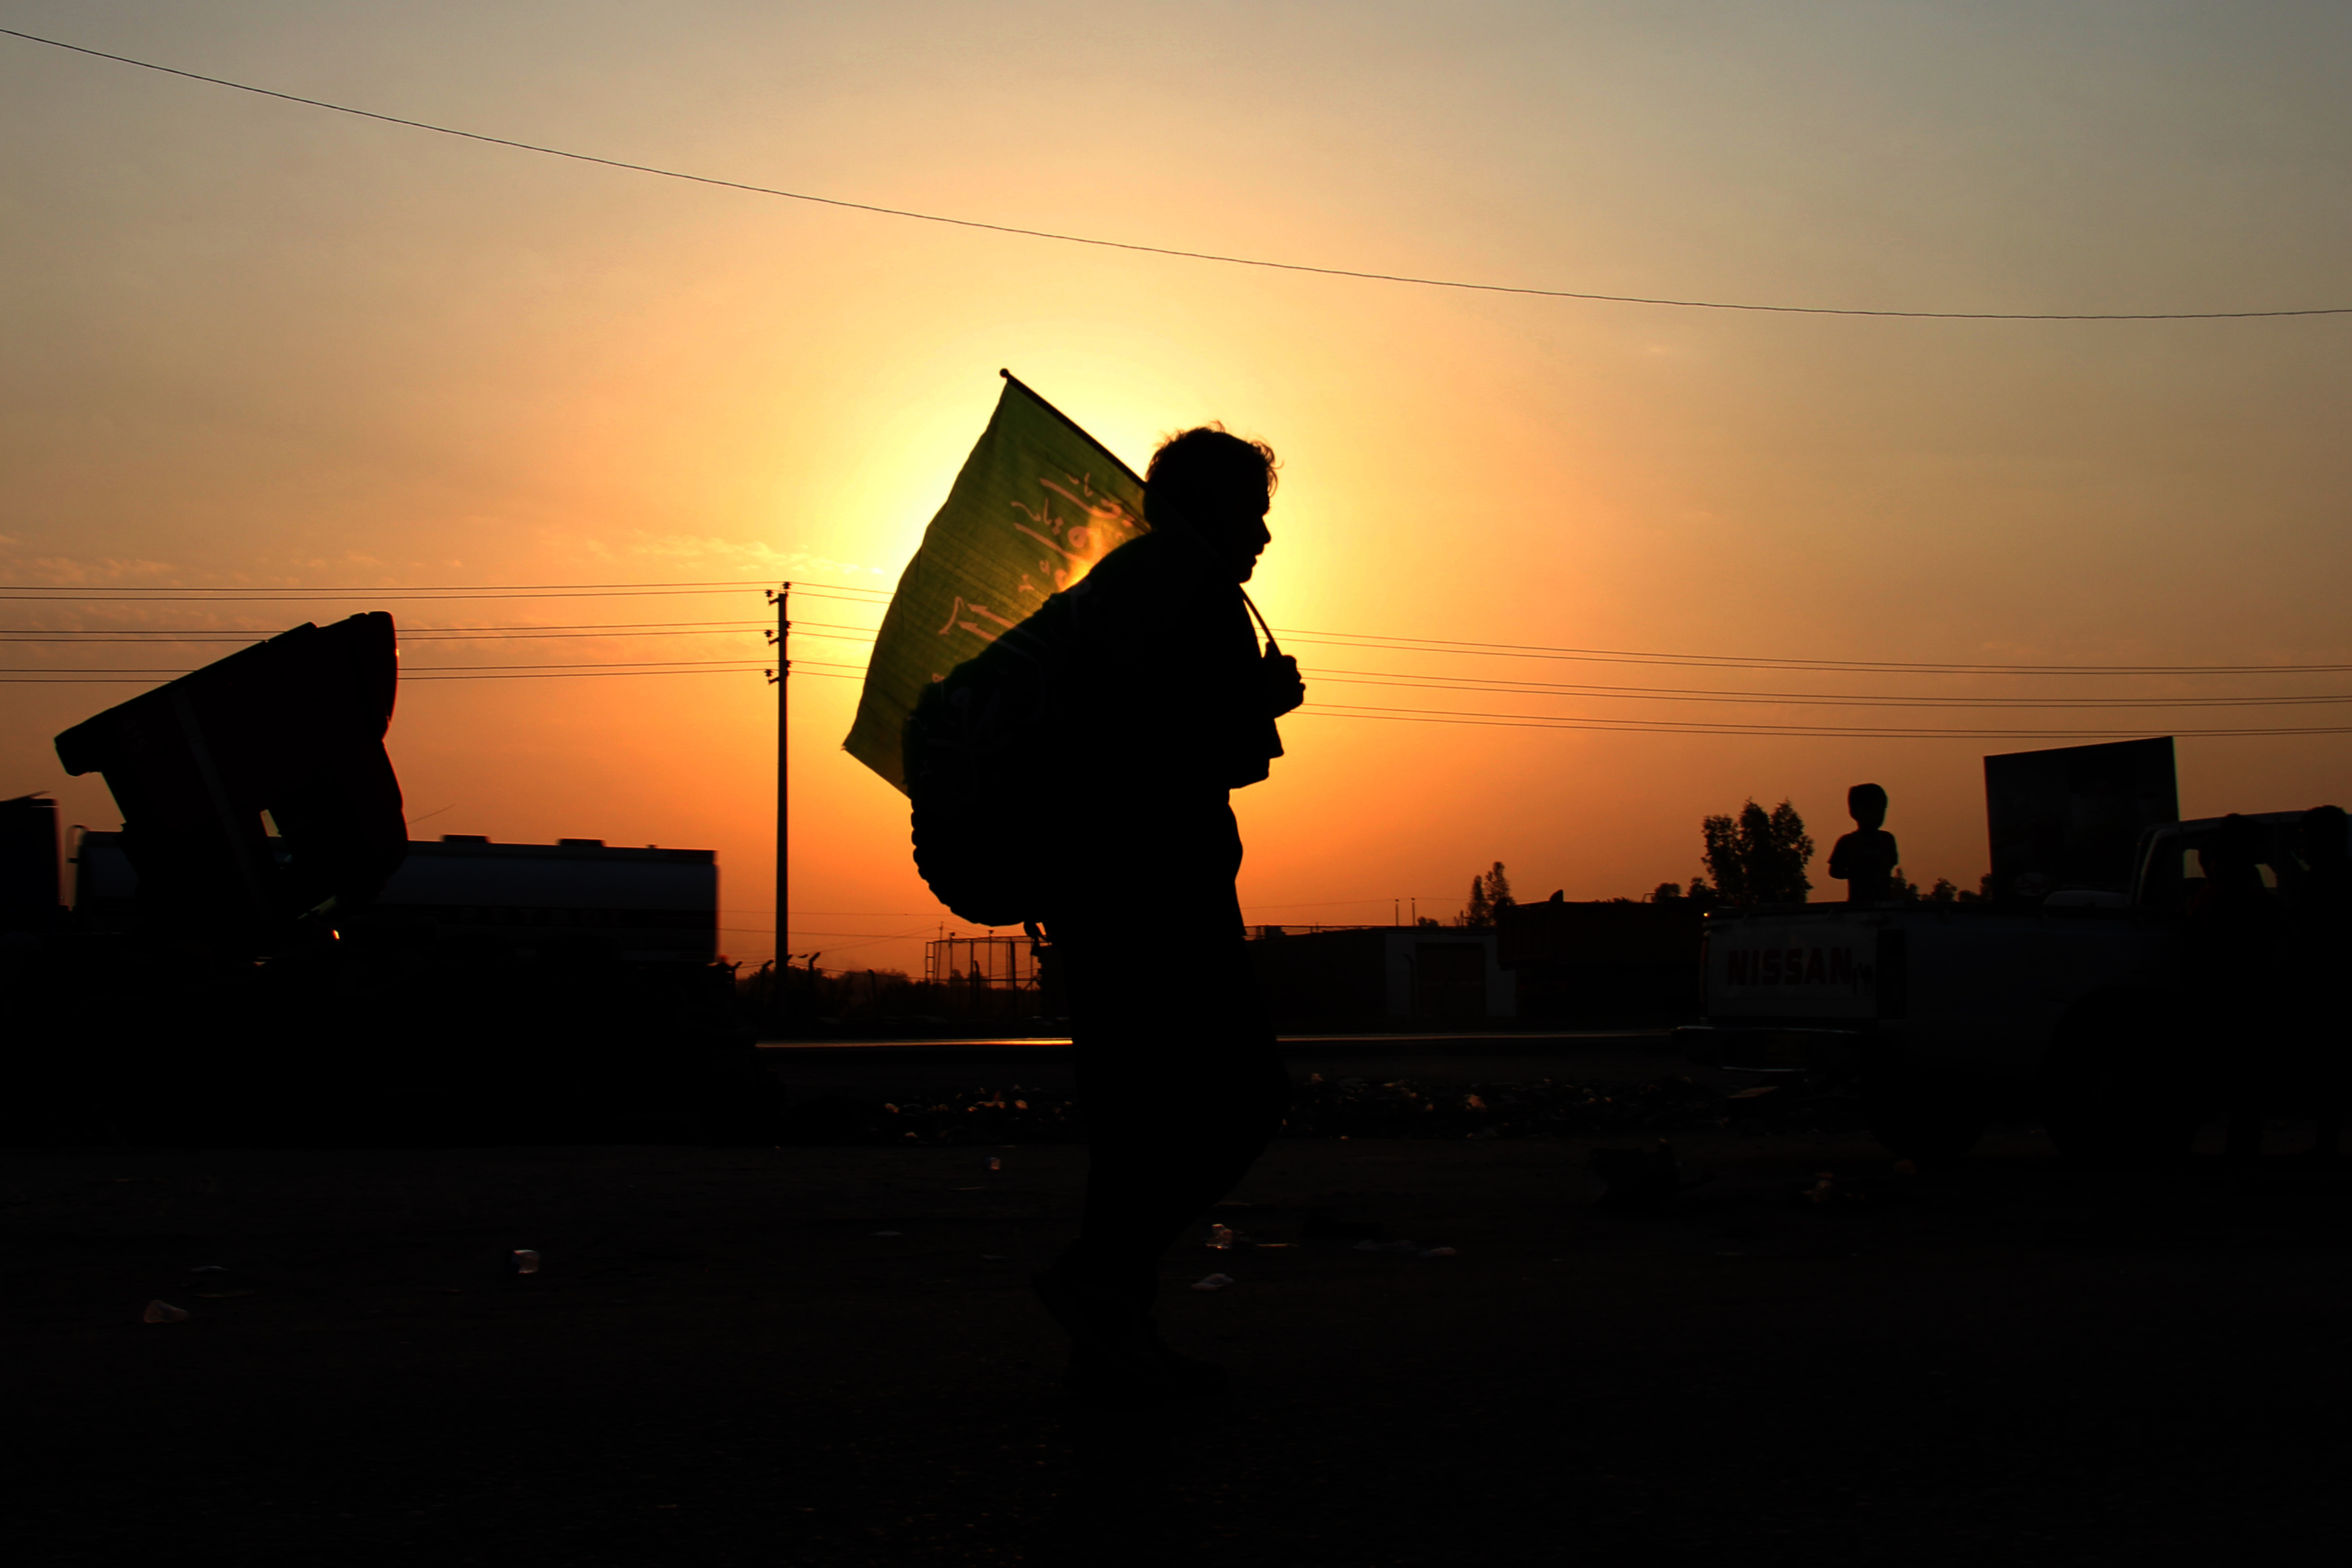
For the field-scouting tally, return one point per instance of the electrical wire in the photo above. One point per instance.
(1767, 662)
(71, 673)
(407, 634)
(821, 669)
(304, 595)
(1403, 681)
(1785, 699)
(1821, 699)
(870, 937)
(1700, 727)
(69, 589)
(1301, 637)
(417, 670)
(599, 675)
(1218, 257)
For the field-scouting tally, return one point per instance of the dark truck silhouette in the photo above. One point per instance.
(2067, 988)
(261, 954)
(293, 727)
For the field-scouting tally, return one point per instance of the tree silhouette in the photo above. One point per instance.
(1490, 895)
(1758, 857)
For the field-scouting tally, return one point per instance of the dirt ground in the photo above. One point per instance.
(813, 1356)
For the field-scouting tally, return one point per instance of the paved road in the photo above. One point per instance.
(828, 1358)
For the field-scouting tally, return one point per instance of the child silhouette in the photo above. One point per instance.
(1866, 857)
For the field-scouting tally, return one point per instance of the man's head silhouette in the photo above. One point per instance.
(1217, 488)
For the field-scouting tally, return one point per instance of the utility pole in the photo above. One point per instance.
(780, 679)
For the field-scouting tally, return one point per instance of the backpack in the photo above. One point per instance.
(983, 749)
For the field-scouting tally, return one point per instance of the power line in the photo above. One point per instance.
(1702, 662)
(302, 596)
(1723, 661)
(871, 939)
(1398, 643)
(1381, 642)
(1328, 903)
(736, 664)
(1363, 274)
(620, 674)
(1822, 699)
(67, 676)
(599, 674)
(69, 589)
(802, 668)
(490, 673)
(418, 670)
(819, 668)
(1699, 727)
(1303, 637)
(681, 627)
(1406, 681)
(407, 634)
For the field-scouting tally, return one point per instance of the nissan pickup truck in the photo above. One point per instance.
(2074, 1002)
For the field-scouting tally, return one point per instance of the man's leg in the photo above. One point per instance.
(1181, 1080)
(1155, 1170)
(1178, 1102)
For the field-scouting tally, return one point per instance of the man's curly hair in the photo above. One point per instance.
(1195, 469)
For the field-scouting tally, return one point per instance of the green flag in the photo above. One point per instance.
(1039, 502)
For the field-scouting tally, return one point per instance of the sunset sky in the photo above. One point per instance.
(258, 345)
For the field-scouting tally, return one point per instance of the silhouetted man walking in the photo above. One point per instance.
(1177, 1071)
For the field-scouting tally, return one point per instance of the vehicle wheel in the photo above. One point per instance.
(1918, 1118)
(2114, 1093)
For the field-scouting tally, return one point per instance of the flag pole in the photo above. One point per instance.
(780, 679)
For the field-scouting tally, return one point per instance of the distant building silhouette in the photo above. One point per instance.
(1381, 976)
(576, 896)
(1612, 962)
